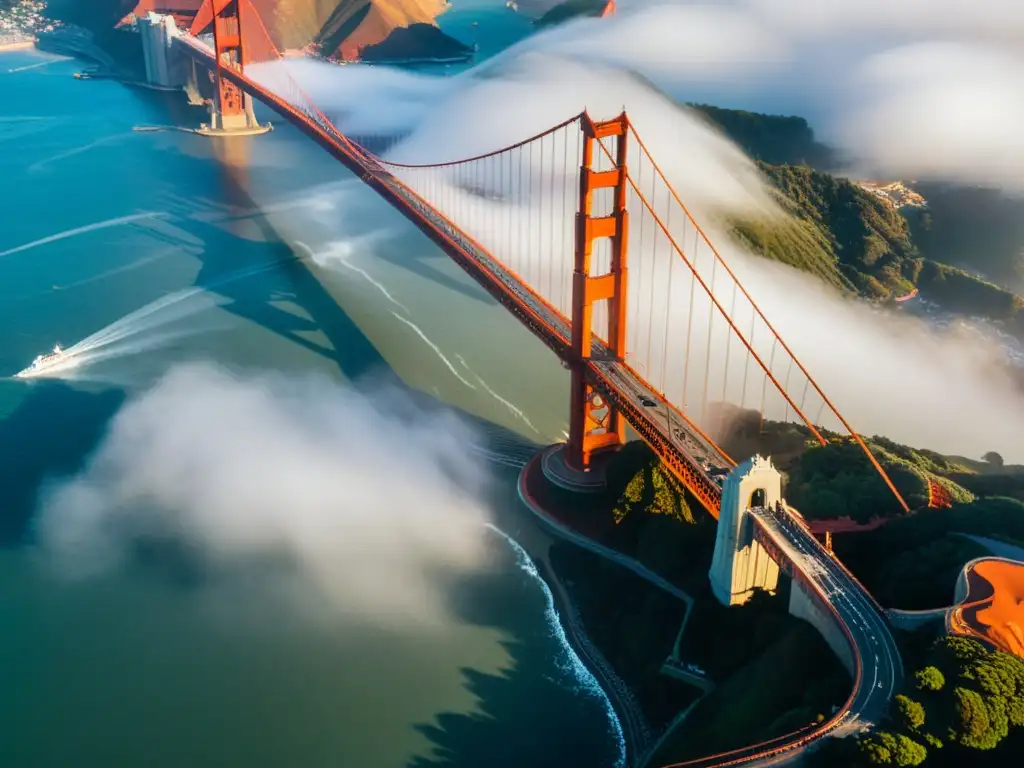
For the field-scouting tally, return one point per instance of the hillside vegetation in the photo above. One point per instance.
(972, 227)
(837, 479)
(961, 705)
(774, 139)
(855, 241)
(842, 233)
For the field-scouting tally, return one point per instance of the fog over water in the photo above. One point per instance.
(194, 573)
(365, 500)
(894, 84)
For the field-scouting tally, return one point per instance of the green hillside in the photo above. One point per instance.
(857, 242)
(777, 139)
(845, 235)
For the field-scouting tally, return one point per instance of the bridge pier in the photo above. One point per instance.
(559, 471)
(240, 122)
(231, 110)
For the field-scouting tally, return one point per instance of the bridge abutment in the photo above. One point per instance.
(740, 564)
(165, 66)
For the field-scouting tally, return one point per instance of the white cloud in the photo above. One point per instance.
(915, 88)
(365, 501)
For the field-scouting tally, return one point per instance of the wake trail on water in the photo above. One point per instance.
(570, 663)
(133, 333)
(517, 412)
(82, 230)
(102, 275)
(33, 66)
(35, 167)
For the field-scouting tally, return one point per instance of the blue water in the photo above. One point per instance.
(99, 223)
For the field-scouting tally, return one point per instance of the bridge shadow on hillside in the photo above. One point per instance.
(532, 713)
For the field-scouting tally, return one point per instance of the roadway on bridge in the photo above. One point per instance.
(645, 408)
(882, 669)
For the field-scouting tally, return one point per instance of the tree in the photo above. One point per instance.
(910, 712)
(886, 748)
(994, 459)
(929, 679)
(975, 726)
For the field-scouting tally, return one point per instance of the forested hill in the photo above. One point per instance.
(771, 138)
(858, 242)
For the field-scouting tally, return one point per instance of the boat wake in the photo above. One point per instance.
(134, 333)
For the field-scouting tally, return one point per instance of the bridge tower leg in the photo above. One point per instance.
(594, 425)
(231, 112)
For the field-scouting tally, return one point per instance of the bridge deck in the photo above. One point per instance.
(670, 433)
(682, 446)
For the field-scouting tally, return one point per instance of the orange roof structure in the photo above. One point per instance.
(993, 610)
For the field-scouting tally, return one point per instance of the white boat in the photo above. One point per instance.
(512, 4)
(51, 362)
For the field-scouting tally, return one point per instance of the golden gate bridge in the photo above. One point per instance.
(579, 233)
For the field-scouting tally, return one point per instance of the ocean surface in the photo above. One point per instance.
(149, 250)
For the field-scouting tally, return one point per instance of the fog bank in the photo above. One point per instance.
(363, 503)
(906, 87)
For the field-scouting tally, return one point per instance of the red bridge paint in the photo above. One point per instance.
(607, 389)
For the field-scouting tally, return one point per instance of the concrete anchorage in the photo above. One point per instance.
(740, 564)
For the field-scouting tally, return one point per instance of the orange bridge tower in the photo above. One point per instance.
(231, 111)
(595, 427)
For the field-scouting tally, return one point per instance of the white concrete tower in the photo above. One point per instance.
(740, 564)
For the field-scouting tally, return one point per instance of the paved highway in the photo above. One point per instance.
(882, 670)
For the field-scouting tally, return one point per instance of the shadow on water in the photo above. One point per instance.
(536, 711)
(353, 352)
(415, 260)
(49, 435)
(561, 723)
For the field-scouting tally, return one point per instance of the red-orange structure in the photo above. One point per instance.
(226, 18)
(593, 423)
(607, 390)
(448, 201)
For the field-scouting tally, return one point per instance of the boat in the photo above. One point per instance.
(48, 363)
(512, 4)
